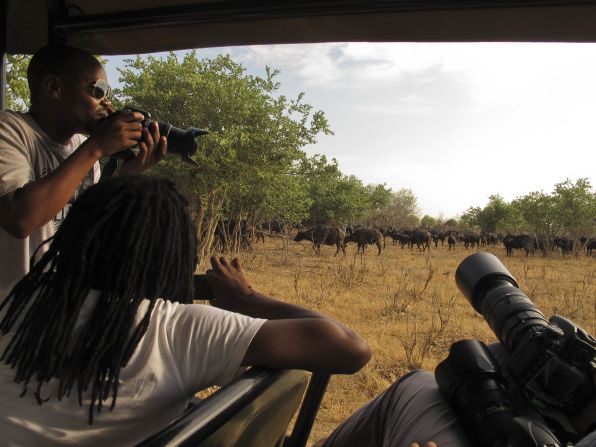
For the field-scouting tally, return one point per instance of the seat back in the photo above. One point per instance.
(253, 410)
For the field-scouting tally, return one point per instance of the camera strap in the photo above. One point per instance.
(109, 169)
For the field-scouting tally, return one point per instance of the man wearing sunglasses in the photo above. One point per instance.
(51, 153)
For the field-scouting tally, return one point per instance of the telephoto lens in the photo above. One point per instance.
(551, 363)
(494, 293)
(180, 142)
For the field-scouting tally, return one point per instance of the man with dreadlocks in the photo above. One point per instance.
(44, 157)
(104, 322)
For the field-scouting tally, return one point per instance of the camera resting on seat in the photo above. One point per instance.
(551, 365)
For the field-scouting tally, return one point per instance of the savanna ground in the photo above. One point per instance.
(406, 304)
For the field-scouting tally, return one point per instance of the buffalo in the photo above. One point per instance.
(489, 239)
(421, 238)
(326, 235)
(365, 236)
(590, 245)
(438, 235)
(403, 238)
(451, 241)
(565, 244)
(518, 241)
(470, 238)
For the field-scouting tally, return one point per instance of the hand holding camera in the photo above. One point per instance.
(117, 132)
(152, 148)
(154, 140)
(180, 142)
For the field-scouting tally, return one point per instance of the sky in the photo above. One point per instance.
(454, 123)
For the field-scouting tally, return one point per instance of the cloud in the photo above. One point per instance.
(313, 64)
(495, 73)
(454, 122)
(411, 104)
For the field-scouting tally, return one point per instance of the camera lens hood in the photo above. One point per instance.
(476, 272)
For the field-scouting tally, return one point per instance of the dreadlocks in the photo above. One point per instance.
(130, 238)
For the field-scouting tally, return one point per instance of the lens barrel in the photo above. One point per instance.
(494, 293)
(478, 271)
(181, 142)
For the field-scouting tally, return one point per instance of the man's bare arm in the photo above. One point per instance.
(32, 206)
(294, 337)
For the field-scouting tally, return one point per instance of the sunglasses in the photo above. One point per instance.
(100, 88)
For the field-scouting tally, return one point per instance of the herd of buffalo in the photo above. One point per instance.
(422, 239)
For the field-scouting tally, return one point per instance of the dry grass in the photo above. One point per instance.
(406, 304)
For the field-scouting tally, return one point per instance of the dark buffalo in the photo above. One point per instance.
(470, 238)
(565, 244)
(590, 245)
(403, 238)
(451, 240)
(518, 241)
(325, 235)
(364, 237)
(438, 235)
(421, 238)
(489, 239)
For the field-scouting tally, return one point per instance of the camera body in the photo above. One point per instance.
(551, 363)
(180, 142)
(472, 382)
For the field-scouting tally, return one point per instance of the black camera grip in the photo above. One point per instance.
(202, 289)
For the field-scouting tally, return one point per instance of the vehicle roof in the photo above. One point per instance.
(141, 26)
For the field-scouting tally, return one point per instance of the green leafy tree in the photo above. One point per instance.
(576, 207)
(428, 221)
(513, 222)
(379, 196)
(538, 210)
(470, 218)
(495, 212)
(17, 91)
(339, 198)
(401, 211)
(256, 135)
(451, 223)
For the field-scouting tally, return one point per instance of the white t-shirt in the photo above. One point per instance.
(27, 153)
(187, 347)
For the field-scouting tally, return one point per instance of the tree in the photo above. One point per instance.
(256, 135)
(471, 217)
(451, 223)
(576, 207)
(493, 214)
(428, 221)
(379, 196)
(401, 211)
(17, 91)
(338, 198)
